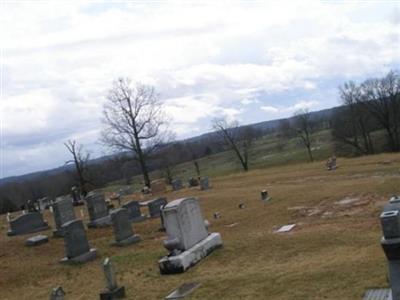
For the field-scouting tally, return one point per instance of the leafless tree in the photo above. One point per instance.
(304, 128)
(80, 159)
(134, 121)
(238, 139)
(381, 96)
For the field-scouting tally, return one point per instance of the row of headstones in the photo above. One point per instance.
(192, 182)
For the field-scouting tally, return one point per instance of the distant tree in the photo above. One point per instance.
(134, 121)
(381, 97)
(238, 139)
(80, 159)
(303, 126)
(285, 129)
(207, 151)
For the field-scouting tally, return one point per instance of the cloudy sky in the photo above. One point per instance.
(245, 60)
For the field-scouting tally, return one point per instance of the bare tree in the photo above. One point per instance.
(304, 128)
(134, 121)
(238, 139)
(80, 159)
(381, 96)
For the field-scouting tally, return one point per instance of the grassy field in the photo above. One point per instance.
(333, 252)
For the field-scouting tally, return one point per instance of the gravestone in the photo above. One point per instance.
(27, 223)
(155, 206)
(204, 183)
(193, 182)
(57, 294)
(123, 232)
(331, 163)
(97, 210)
(76, 197)
(176, 184)
(183, 291)
(37, 240)
(63, 211)
(265, 196)
(162, 227)
(135, 215)
(77, 249)
(390, 222)
(188, 240)
(112, 290)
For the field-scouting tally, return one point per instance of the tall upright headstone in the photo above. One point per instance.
(27, 223)
(112, 291)
(123, 231)
(390, 221)
(97, 210)
(63, 211)
(135, 215)
(188, 240)
(77, 249)
(155, 206)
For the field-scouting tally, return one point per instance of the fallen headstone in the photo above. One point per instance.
(188, 240)
(37, 240)
(112, 291)
(183, 291)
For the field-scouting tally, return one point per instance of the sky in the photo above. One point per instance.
(249, 61)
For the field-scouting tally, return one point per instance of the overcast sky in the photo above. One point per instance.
(249, 60)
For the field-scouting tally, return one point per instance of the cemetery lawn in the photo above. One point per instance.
(333, 253)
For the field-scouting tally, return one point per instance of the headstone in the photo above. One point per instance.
(146, 190)
(8, 217)
(176, 184)
(123, 232)
(241, 205)
(63, 212)
(57, 294)
(155, 206)
(135, 215)
(183, 291)
(188, 240)
(162, 227)
(286, 228)
(76, 197)
(27, 223)
(390, 221)
(331, 163)
(37, 240)
(265, 196)
(217, 215)
(31, 206)
(98, 210)
(112, 290)
(77, 248)
(378, 294)
(193, 182)
(204, 183)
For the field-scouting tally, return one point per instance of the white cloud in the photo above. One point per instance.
(270, 109)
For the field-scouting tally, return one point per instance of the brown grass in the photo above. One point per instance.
(331, 257)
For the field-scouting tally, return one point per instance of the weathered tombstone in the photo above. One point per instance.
(146, 190)
(265, 196)
(390, 221)
(57, 294)
(162, 227)
(31, 206)
(27, 223)
(331, 163)
(155, 206)
(98, 210)
(204, 183)
(188, 239)
(193, 182)
(135, 215)
(123, 232)
(37, 240)
(176, 184)
(76, 197)
(77, 249)
(112, 291)
(63, 210)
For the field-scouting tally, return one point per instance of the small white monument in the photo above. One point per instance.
(188, 239)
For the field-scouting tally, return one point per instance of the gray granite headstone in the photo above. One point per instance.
(133, 207)
(27, 223)
(112, 290)
(123, 232)
(97, 210)
(77, 248)
(193, 182)
(155, 206)
(204, 183)
(63, 210)
(176, 184)
(37, 240)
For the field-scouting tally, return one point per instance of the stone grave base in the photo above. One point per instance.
(138, 219)
(42, 228)
(37, 240)
(180, 263)
(118, 293)
(99, 223)
(88, 256)
(129, 241)
(58, 233)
